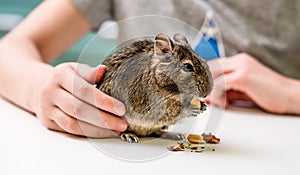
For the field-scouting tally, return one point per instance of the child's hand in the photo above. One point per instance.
(242, 77)
(69, 102)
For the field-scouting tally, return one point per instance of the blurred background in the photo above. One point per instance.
(14, 11)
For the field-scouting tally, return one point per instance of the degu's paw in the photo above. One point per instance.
(129, 137)
(196, 103)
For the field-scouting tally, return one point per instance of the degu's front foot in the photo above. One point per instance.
(196, 103)
(129, 137)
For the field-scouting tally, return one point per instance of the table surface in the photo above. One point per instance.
(252, 142)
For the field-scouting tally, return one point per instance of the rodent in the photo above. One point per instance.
(160, 82)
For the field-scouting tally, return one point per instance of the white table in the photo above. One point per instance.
(252, 142)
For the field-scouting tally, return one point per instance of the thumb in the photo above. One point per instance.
(90, 74)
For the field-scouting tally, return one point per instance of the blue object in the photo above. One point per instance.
(209, 45)
(207, 48)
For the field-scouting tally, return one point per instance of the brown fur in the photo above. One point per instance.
(149, 78)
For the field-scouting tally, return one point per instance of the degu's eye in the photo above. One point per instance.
(168, 59)
(187, 67)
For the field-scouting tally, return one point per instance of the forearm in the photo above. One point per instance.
(26, 51)
(22, 72)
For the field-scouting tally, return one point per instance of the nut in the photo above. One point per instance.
(194, 138)
(196, 102)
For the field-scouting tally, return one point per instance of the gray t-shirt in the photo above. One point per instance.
(266, 29)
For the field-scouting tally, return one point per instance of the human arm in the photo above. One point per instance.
(31, 83)
(247, 79)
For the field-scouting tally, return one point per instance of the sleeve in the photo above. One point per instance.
(96, 11)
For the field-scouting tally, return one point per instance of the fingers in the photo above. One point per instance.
(246, 79)
(218, 94)
(81, 89)
(226, 77)
(50, 124)
(236, 95)
(91, 75)
(222, 66)
(228, 87)
(69, 102)
(88, 113)
(77, 127)
(219, 67)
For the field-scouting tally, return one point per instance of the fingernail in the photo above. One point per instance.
(101, 66)
(119, 108)
(122, 126)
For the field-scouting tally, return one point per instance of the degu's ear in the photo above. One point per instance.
(162, 44)
(180, 39)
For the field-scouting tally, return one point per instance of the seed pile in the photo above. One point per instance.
(196, 143)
